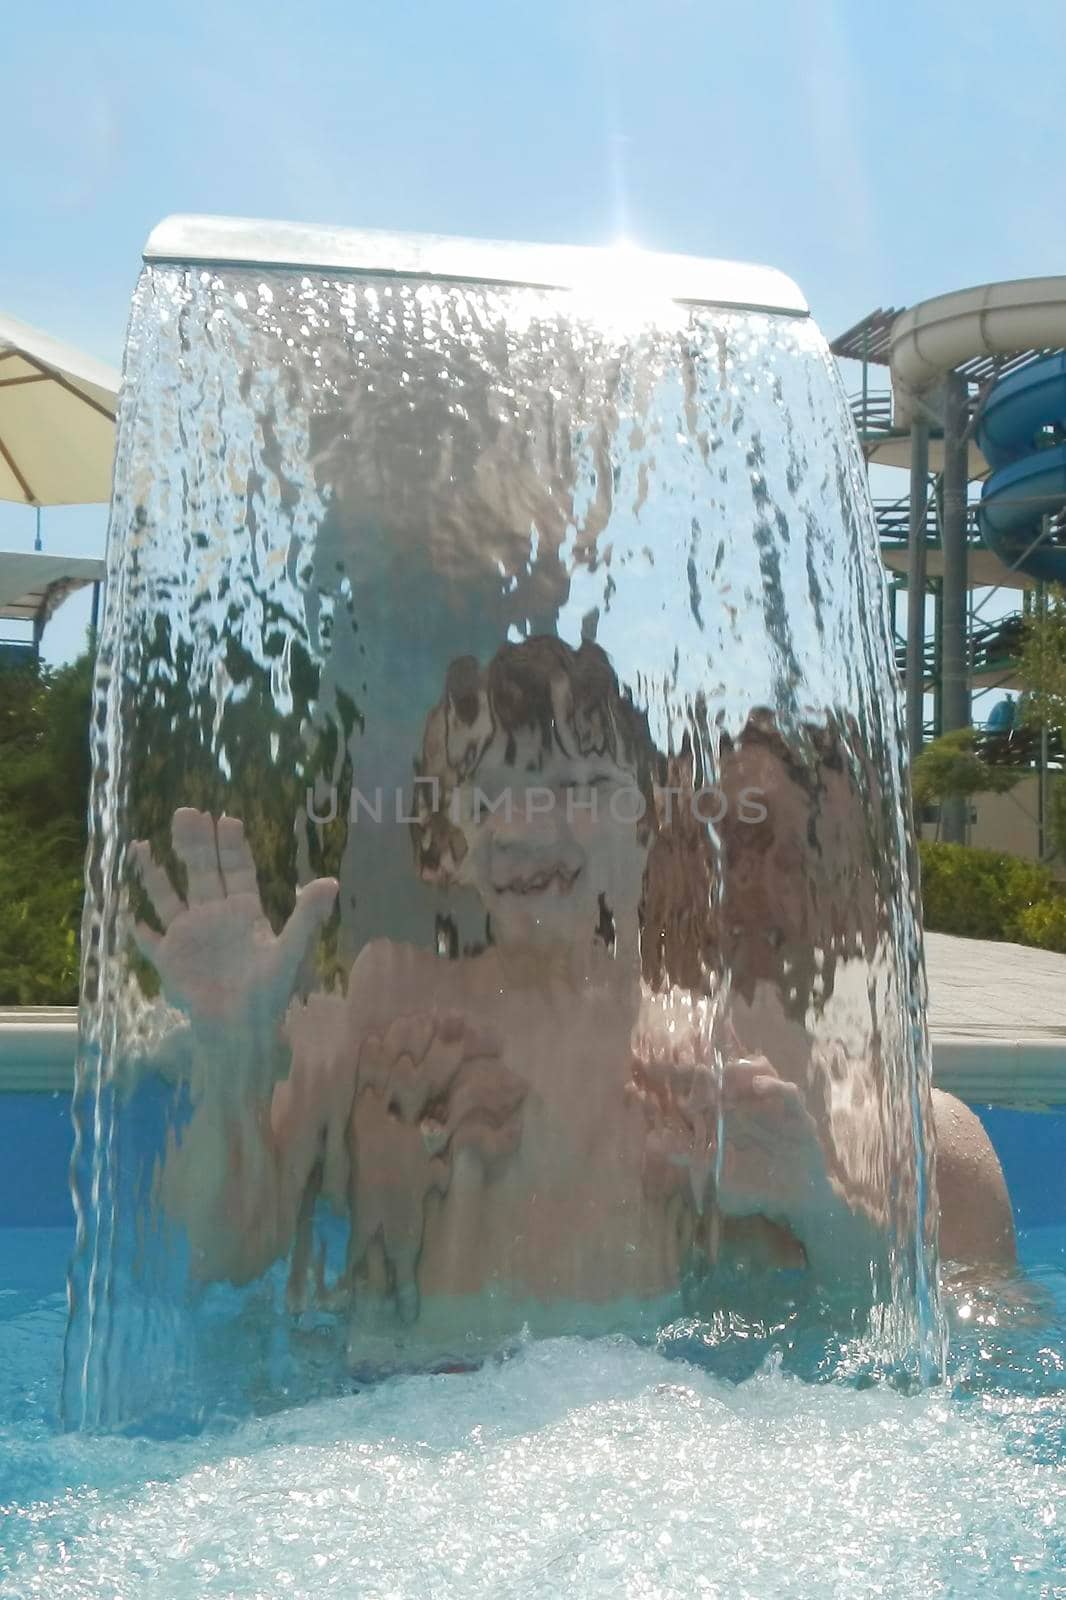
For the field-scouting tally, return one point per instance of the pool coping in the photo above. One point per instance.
(38, 1048)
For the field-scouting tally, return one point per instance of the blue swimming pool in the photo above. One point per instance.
(571, 1468)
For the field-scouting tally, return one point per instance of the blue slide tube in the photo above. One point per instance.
(1022, 433)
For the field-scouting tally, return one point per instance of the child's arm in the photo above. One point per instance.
(220, 962)
(773, 1163)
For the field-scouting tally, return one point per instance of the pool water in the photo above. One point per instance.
(572, 1468)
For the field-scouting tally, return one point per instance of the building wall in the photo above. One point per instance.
(1009, 821)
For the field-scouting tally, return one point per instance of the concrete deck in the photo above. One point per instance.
(989, 991)
(997, 1021)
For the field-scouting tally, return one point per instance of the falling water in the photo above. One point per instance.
(496, 751)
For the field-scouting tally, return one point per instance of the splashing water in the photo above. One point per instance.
(501, 904)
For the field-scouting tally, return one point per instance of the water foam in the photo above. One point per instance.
(577, 1468)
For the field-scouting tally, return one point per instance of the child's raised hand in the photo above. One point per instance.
(217, 957)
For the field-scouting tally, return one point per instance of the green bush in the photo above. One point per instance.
(982, 894)
(1044, 924)
(40, 913)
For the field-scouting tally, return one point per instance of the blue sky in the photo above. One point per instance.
(878, 154)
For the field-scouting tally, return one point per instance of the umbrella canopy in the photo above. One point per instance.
(57, 420)
(33, 586)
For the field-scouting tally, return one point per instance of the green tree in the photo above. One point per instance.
(950, 768)
(44, 797)
(1056, 815)
(1042, 664)
(255, 761)
(1042, 670)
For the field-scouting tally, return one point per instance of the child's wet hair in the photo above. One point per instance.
(683, 940)
(519, 692)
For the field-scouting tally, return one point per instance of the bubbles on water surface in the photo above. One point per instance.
(585, 1468)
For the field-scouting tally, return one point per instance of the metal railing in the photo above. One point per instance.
(996, 642)
(1020, 747)
(872, 412)
(893, 523)
(993, 645)
(16, 654)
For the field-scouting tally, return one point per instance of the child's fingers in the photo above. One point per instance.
(409, 1036)
(768, 1101)
(374, 1062)
(147, 941)
(775, 1092)
(738, 1077)
(235, 857)
(313, 907)
(165, 900)
(195, 844)
(455, 1027)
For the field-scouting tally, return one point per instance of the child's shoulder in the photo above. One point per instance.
(976, 1225)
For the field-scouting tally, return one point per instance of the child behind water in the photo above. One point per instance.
(535, 1122)
(470, 1116)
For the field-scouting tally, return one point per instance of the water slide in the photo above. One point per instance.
(1022, 435)
(1022, 431)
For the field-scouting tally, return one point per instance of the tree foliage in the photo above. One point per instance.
(44, 787)
(1042, 670)
(1042, 664)
(1056, 815)
(950, 768)
(251, 757)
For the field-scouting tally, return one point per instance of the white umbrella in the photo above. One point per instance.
(57, 420)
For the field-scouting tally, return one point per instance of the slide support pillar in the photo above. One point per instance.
(916, 550)
(955, 666)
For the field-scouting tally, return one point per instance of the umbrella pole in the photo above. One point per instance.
(37, 545)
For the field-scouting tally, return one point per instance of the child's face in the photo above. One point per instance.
(548, 834)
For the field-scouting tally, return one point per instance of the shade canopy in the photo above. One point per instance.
(32, 585)
(57, 420)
